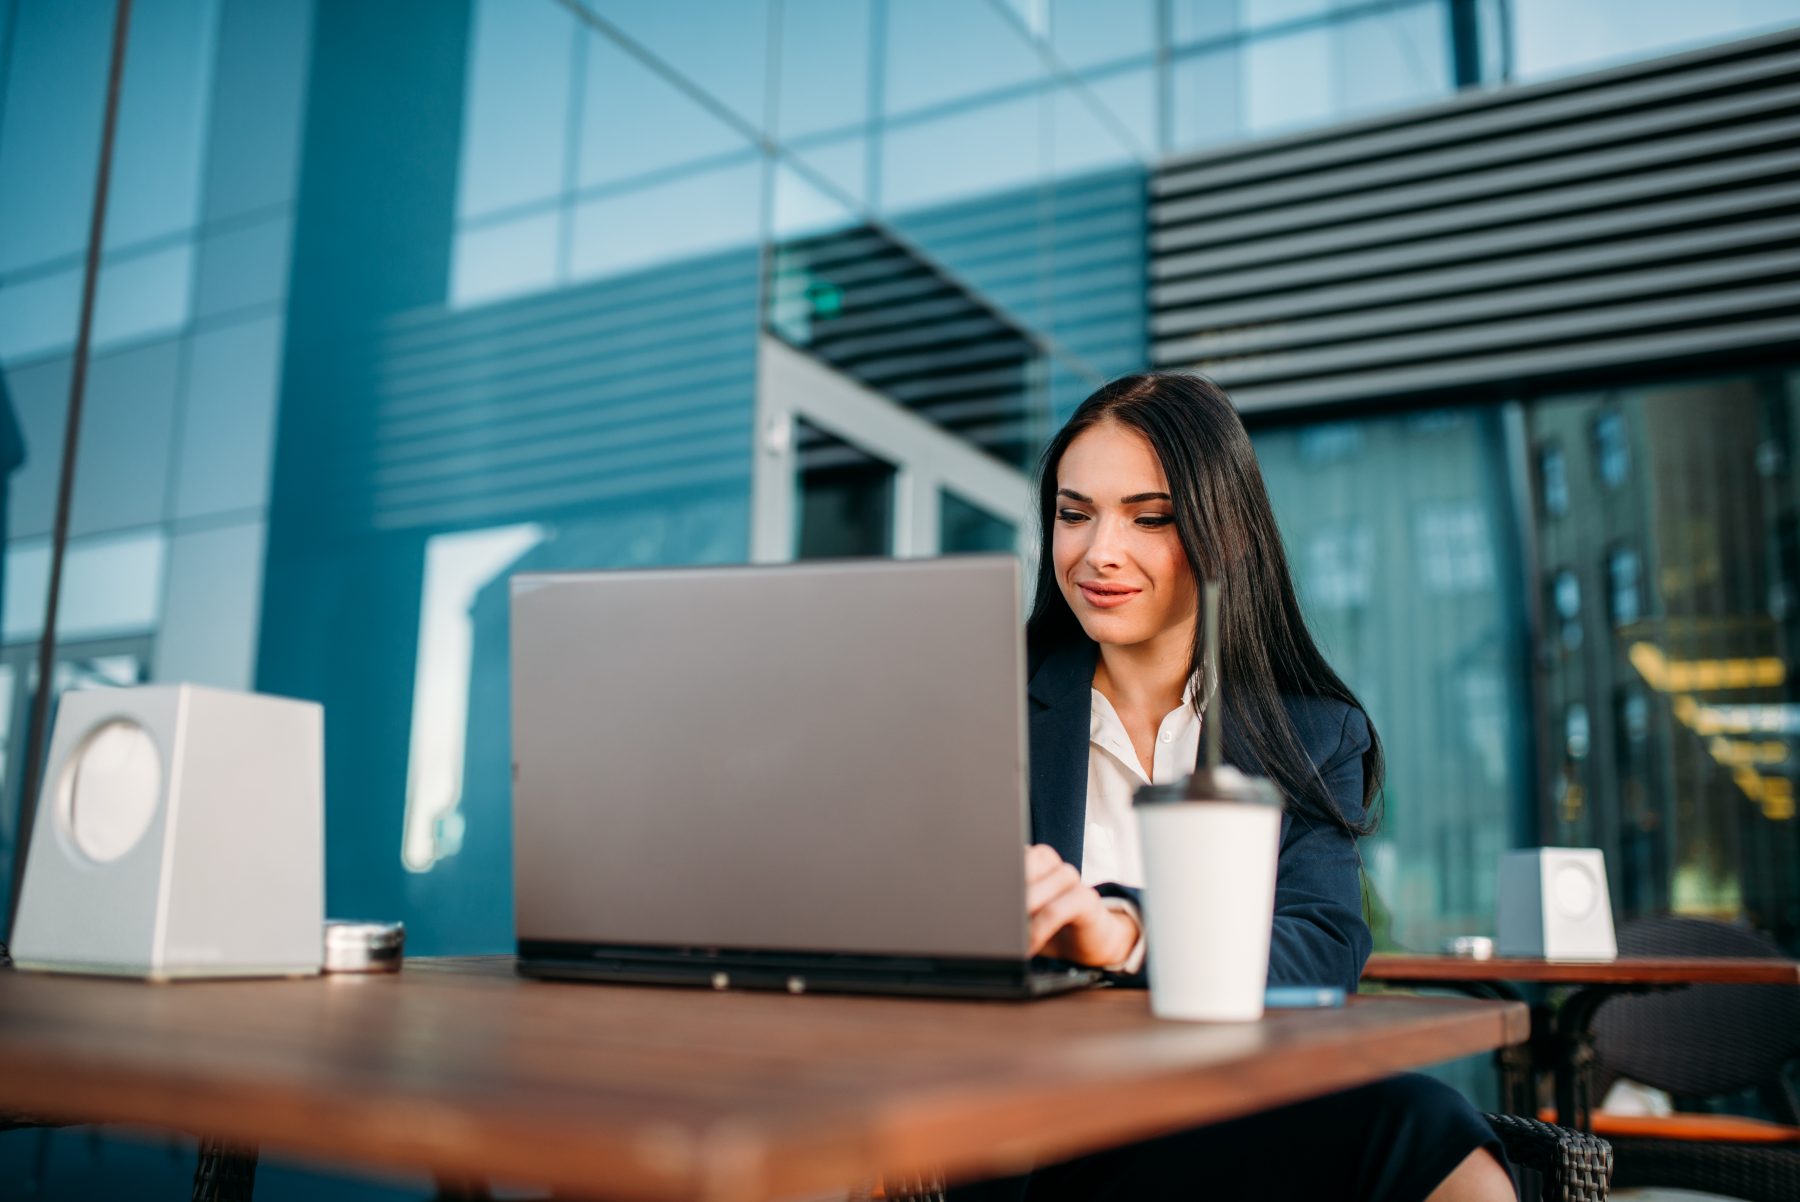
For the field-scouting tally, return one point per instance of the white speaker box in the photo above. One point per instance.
(180, 832)
(1554, 904)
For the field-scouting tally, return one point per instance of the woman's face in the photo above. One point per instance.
(1118, 556)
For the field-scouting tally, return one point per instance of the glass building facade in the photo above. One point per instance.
(396, 299)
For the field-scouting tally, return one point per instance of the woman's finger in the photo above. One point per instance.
(1040, 860)
(1057, 881)
(1058, 913)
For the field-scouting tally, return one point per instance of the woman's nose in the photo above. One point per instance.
(1103, 549)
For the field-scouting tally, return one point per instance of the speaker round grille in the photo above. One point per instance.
(110, 789)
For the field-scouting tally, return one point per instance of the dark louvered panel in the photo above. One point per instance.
(1629, 220)
(867, 305)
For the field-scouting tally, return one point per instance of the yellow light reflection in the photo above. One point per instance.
(1705, 675)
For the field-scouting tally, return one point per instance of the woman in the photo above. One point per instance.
(1151, 486)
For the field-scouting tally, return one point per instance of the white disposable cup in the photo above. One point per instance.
(1209, 900)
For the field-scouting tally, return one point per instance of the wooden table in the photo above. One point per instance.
(1562, 1041)
(462, 1069)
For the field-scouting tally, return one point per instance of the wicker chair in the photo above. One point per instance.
(1702, 1042)
(1571, 1166)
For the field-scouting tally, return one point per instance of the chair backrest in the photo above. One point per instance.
(1704, 1040)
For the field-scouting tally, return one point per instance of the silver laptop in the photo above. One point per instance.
(800, 776)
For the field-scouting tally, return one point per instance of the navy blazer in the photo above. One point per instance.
(1319, 936)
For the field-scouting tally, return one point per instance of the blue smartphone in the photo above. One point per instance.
(1303, 997)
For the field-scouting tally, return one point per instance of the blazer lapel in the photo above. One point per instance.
(1060, 715)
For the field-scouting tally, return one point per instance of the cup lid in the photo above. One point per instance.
(1223, 783)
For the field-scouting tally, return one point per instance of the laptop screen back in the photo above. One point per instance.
(814, 757)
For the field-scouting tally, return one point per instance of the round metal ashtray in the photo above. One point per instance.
(364, 946)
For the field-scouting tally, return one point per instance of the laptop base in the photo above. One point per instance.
(804, 972)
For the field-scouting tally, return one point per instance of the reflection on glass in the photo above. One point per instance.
(1554, 37)
(872, 309)
(38, 315)
(1683, 519)
(722, 48)
(515, 114)
(846, 501)
(50, 111)
(491, 262)
(1085, 33)
(1624, 571)
(637, 121)
(158, 151)
(143, 295)
(1553, 482)
(963, 526)
(826, 47)
(457, 567)
(1288, 81)
(111, 586)
(1205, 99)
(1400, 541)
(695, 215)
(942, 52)
(970, 152)
(1612, 454)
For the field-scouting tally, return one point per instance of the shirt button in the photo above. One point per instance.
(1167, 737)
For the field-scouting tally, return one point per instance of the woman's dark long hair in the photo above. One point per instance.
(1228, 531)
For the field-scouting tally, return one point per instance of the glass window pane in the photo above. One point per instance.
(963, 526)
(143, 295)
(1086, 33)
(1391, 59)
(112, 586)
(516, 109)
(1685, 524)
(1390, 523)
(842, 163)
(50, 131)
(243, 267)
(157, 153)
(228, 421)
(496, 261)
(1205, 99)
(1553, 37)
(1553, 481)
(1288, 81)
(695, 215)
(635, 121)
(1084, 137)
(825, 51)
(1129, 97)
(39, 315)
(986, 149)
(208, 633)
(846, 498)
(944, 51)
(127, 424)
(722, 48)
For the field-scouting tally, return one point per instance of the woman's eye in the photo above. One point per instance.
(1070, 515)
(1155, 520)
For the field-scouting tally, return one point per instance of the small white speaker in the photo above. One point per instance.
(180, 832)
(1554, 904)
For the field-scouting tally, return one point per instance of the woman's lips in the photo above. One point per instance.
(1107, 596)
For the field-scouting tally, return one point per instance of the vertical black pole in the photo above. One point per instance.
(65, 490)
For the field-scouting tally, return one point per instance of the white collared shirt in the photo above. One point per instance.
(1110, 849)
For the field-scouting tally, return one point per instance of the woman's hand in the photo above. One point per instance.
(1068, 919)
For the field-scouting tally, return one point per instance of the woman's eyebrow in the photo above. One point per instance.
(1133, 499)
